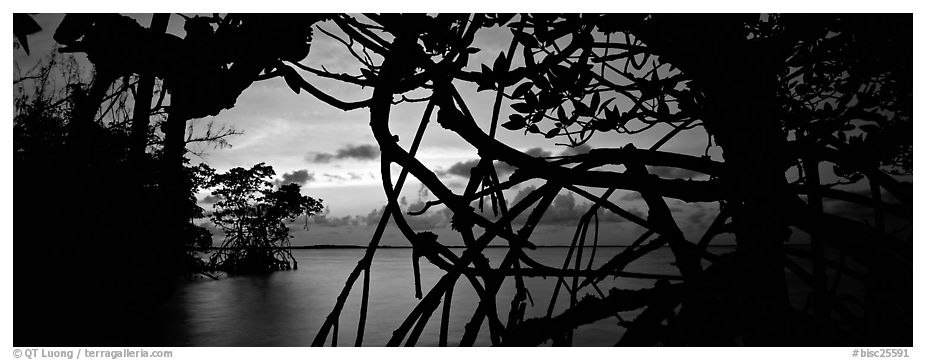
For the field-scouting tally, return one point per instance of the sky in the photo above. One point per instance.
(333, 156)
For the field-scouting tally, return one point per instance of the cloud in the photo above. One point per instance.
(581, 149)
(632, 196)
(463, 168)
(538, 152)
(565, 210)
(674, 173)
(431, 219)
(299, 177)
(363, 152)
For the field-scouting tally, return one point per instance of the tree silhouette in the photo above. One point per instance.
(88, 215)
(775, 92)
(785, 97)
(123, 219)
(252, 214)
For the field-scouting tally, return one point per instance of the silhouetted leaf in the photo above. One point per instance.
(581, 108)
(486, 71)
(549, 99)
(525, 39)
(522, 89)
(510, 77)
(561, 115)
(499, 66)
(560, 72)
(594, 105)
(533, 128)
(529, 58)
(541, 82)
(552, 132)
(531, 99)
(515, 122)
(663, 108)
(522, 107)
(293, 80)
(604, 106)
(537, 117)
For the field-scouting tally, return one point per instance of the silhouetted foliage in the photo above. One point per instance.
(779, 94)
(90, 215)
(785, 97)
(253, 215)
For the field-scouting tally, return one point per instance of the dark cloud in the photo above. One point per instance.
(434, 218)
(363, 152)
(423, 192)
(431, 219)
(581, 149)
(299, 177)
(463, 168)
(632, 196)
(674, 173)
(565, 210)
(372, 218)
(320, 157)
(538, 152)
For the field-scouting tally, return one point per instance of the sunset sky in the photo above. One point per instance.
(334, 156)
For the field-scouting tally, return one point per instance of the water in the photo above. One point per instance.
(287, 308)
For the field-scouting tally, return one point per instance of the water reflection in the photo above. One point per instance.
(287, 308)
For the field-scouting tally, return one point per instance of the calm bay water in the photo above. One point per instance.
(287, 308)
